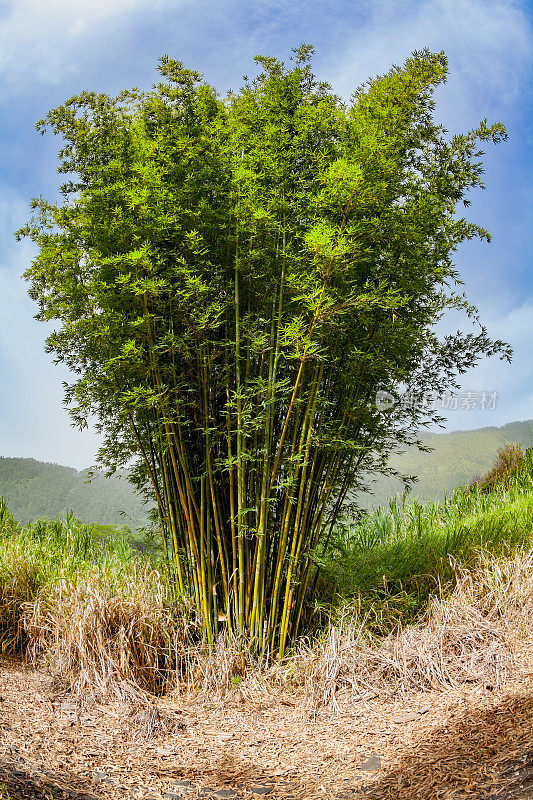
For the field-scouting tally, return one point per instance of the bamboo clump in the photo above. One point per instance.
(235, 280)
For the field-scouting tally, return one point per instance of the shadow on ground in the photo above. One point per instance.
(483, 754)
(18, 784)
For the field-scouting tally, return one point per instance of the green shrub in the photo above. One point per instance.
(509, 460)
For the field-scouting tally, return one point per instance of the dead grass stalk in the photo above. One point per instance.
(96, 643)
(470, 636)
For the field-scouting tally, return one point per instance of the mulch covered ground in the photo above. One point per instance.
(470, 743)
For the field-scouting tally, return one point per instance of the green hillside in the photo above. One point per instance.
(35, 489)
(456, 459)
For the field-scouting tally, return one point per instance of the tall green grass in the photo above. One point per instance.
(35, 558)
(55, 549)
(387, 563)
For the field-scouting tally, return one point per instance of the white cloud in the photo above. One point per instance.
(42, 39)
(488, 42)
(512, 382)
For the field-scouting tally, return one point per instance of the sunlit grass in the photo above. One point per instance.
(388, 563)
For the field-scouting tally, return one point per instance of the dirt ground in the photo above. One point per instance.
(473, 742)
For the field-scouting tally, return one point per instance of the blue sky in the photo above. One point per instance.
(51, 50)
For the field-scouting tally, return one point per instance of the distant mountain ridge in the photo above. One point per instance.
(457, 458)
(36, 489)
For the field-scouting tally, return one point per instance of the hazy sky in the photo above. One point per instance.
(51, 50)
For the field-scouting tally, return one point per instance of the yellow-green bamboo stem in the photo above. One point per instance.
(299, 536)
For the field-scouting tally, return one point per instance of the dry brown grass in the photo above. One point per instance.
(97, 643)
(233, 674)
(471, 636)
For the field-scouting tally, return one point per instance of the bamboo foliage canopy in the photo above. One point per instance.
(234, 280)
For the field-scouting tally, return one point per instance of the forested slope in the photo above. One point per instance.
(456, 458)
(35, 489)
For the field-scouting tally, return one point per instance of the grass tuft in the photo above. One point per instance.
(470, 636)
(96, 642)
